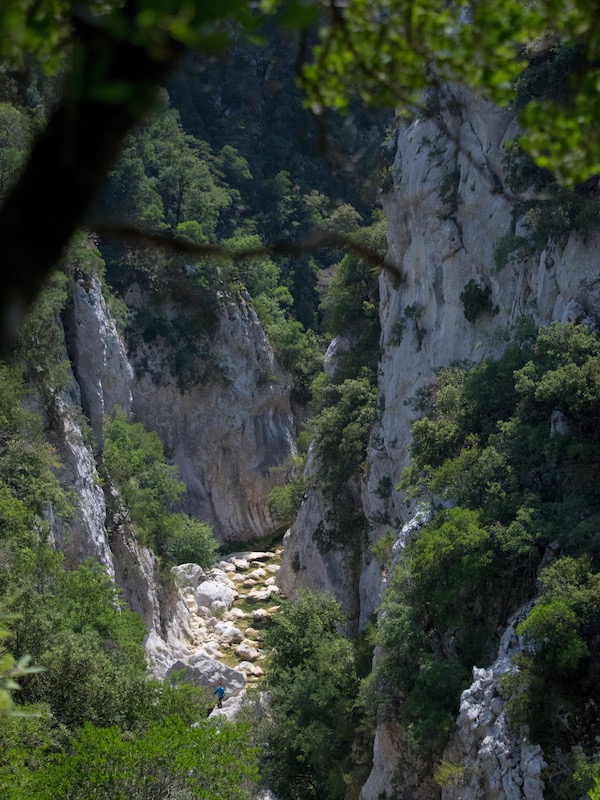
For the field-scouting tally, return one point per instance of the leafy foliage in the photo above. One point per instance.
(204, 761)
(485, 444)
(297, 349)
(10, 671)
(15, 135)
(135, 459)
(343, 426)
(88, 700)
(88, 644)
(550, 215)
(306, 744)
(351, 306)
(476, 300)
(45, 364)
(284, 501)
(191, 541)
(426, 47)
(28, 480)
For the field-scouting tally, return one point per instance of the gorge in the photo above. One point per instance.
(432, 430)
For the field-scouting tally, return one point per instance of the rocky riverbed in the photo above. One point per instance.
(228, 607)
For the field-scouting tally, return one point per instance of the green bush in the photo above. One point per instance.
(284, 501)
(450, 773)
(203, 761)
(191, 541)
(483, 441)
(135, 460)
(476, 300)
(343, 427)
(306, 744)
(351, 305)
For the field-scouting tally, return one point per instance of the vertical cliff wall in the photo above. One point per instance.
(447, 206)
(229, 430)
(225, 433)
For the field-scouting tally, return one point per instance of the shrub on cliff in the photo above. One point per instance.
(515, 444)
(135, 460)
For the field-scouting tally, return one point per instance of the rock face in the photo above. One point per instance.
(440, 240)
(103, 372)
(497, 764)
(447, 207)
(393, 777)
(306, 563)
(439, 245)
(225, 435)
(85, 535)
(228, 433)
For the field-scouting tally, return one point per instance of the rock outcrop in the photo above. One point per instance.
(447, 208)
(495, 763)
(85, 535)
(102, 370)
(305, 564)
(439, 241)
(225, 434)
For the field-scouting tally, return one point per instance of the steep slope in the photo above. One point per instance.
(223, 436)
(224, 433)
(450, 208)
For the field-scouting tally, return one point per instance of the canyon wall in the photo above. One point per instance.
(225, 435)
(448, 205)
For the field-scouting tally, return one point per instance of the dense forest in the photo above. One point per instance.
(214, 196)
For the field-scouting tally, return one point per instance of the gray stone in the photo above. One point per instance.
(247, 652)
(209, 672)
(189, 575)
(228, 633)
(211, 591)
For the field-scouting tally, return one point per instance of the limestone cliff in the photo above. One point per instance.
(447, 206)
(227, 431)
(440, 243)
(495, 762)
(306, 563)
(225, 434)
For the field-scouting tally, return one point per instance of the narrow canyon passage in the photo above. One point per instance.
(229, 606)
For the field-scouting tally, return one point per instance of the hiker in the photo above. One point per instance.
(220, 692)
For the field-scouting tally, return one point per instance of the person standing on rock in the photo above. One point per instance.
(220, 692)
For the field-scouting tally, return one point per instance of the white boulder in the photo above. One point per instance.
(213, 591)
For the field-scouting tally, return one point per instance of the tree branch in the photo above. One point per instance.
(316, 240)
(112, 85)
